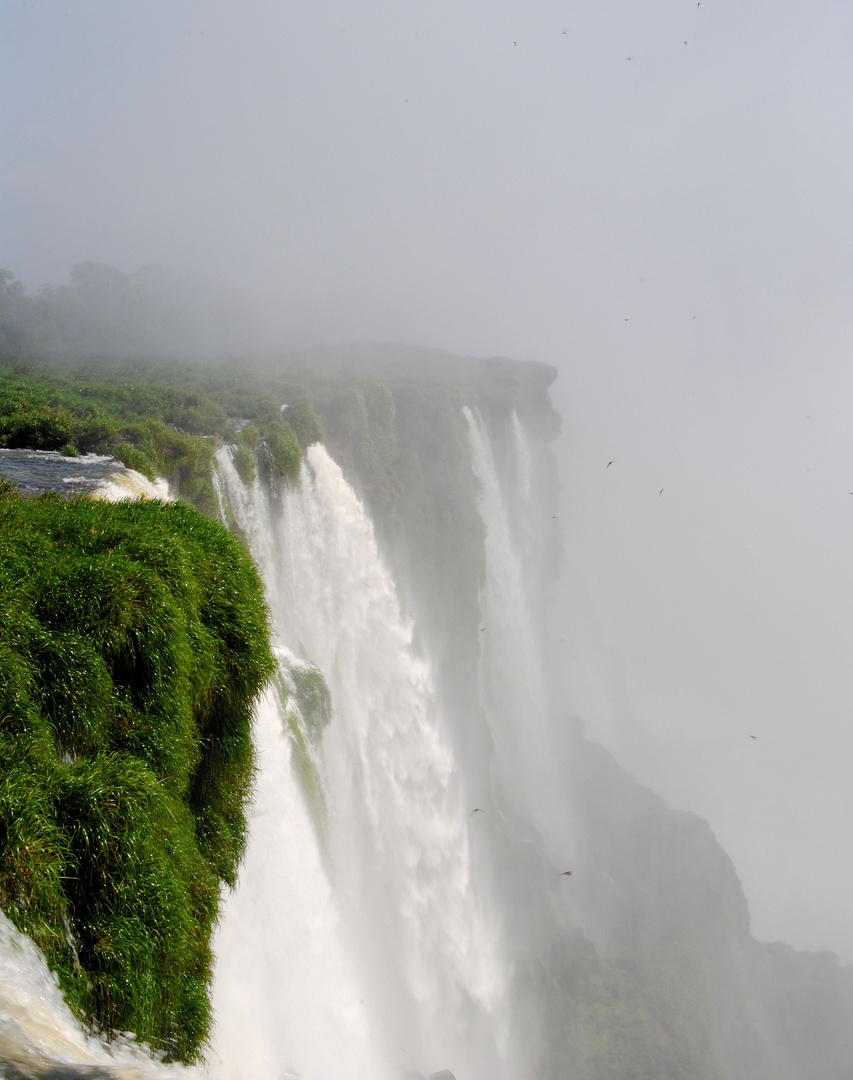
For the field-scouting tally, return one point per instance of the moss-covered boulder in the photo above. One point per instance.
(133, 644)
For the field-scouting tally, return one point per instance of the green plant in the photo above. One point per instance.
(133, 647)
(283, 449)
(245, 449)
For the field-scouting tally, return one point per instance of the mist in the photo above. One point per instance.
(657, 199)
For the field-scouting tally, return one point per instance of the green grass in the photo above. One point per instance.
(134, 643)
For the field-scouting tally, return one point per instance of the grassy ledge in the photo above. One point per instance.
(133, 645)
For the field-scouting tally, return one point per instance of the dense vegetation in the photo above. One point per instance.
(150, 424)
(134, 643)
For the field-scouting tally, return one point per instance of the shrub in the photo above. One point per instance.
(283, 450)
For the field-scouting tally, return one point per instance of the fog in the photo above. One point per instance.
(657, 199)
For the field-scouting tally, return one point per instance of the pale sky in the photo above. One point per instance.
(655, 197)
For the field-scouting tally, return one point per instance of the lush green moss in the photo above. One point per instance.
(133, 645)
(304, 422)
(312, 698)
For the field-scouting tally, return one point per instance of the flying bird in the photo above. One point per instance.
(476, 810)
(567, 873)
(660, 493)
(609, 463)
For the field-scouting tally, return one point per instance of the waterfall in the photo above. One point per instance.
(368, 935)
(513, 686)
(511, 683)
(401, 950)
(441, 874)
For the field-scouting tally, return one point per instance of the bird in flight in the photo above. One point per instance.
(476, 810)
(609, 463)
(567, 873)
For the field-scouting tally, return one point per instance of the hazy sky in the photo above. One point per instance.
(655, 196)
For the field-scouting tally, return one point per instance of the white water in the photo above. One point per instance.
(364, 940)
(127, 484)
(38, 1033)
(396, 885)
(513, 686)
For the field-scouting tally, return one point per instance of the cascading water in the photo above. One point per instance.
(405, 906)
(410, 948)
(513, 686)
